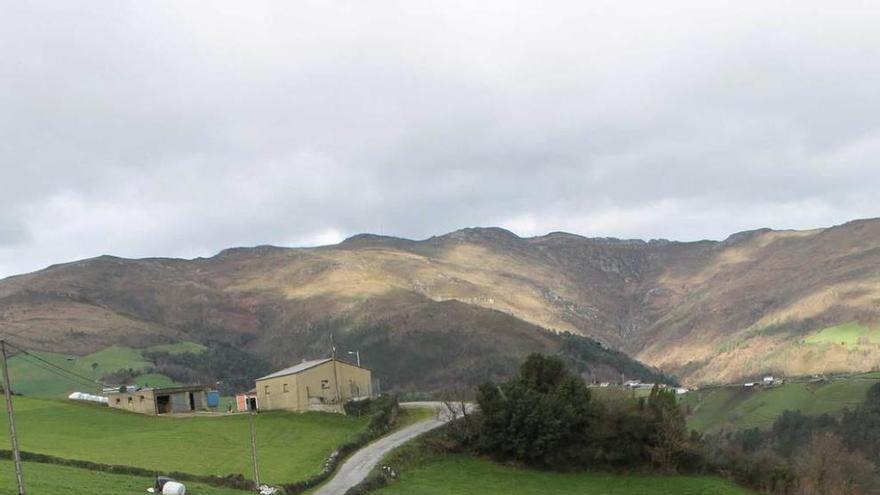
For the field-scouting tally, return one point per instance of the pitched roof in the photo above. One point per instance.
(296, 369)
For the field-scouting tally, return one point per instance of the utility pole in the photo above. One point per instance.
(254, 450)
(7, 390)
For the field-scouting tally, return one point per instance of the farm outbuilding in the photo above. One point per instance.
(323, 384)
(154, 401)
(246, 401)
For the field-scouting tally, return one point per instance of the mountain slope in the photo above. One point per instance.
(282, 305)
(471, 302)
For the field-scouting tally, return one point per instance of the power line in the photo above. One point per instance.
(76, 381)
(70, 377)
(53, 365)
(60, 370)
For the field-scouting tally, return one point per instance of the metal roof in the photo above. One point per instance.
(296, 369)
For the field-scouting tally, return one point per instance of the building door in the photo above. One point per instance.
(163, 404)
(192, 402)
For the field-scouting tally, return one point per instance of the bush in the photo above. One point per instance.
(545, 417)
(357, 407)
(542, 417)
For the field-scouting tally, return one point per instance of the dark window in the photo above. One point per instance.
(284, 388)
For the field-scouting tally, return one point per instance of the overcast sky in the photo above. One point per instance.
(181, 128)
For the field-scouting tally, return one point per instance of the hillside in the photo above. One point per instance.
(733, 407)
(469, 304)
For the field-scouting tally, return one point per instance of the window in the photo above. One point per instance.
(284, 388)
(129, 400)
(117, 400)
(266, 390)
(325, 384)
(142, 398)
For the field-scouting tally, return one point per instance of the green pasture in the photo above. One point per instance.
(466, 475)
(850, 333)
(735, 407)
(292, 446)
(33, 378)
(48, 479)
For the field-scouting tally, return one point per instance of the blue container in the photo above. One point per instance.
(213, 398)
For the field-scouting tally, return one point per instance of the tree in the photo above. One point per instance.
(860, 429)
(542, 417)
(827, 468)
(670, 437)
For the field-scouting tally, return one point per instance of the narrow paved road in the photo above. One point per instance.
(359, 465)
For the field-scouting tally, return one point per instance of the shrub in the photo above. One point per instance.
(542, 417)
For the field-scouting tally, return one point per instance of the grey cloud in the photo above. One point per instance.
(173, 129)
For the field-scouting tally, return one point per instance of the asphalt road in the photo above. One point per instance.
(359, 465)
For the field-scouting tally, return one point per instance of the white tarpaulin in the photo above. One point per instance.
(87, 397)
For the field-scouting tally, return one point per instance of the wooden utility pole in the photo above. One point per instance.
(254, 450)
(7, 390)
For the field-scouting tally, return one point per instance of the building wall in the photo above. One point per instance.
(333, 382)
(142, 401)
(354, 382)
(278, 393)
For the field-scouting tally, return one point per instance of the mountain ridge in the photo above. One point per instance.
(698, 309)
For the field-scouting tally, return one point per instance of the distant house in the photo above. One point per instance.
(323, 384)
(154, 401)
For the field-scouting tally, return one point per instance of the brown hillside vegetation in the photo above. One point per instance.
(480, 299)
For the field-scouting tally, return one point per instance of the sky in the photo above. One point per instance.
(181, 128)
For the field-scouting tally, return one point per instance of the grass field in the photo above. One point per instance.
(33, 379)
(291, 446)
(847, 334)
(465, 475)
(740, 407)
(47, 479)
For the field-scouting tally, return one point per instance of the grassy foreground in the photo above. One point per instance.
(465, 475)
(740, 407)
(47, 479)
(291, 446)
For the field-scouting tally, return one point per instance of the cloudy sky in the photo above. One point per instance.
(180, 128)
